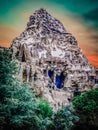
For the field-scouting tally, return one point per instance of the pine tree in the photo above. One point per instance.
(86, 106)
(19, 108)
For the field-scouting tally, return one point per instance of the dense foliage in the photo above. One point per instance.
(45, 109)
(86, 107)
(8, 67)
(20, 109)
(65, 118)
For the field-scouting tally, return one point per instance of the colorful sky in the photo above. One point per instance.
(80, 17)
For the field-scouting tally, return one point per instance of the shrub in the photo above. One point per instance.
(86, 106)
(44, 109)
(65, 118)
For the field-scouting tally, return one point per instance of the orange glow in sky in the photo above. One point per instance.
(72, 25)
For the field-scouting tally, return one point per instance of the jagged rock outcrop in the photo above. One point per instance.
(51, 60)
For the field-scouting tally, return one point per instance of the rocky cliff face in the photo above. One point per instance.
(50, 59)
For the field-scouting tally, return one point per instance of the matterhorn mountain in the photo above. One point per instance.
(51, 61)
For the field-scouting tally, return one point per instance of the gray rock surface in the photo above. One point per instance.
(46, 45)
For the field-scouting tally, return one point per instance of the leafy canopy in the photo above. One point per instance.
(87, 102)
(86, 106)
(65, 118)
(19, 108)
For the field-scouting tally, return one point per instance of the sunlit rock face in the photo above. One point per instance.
(51, 60)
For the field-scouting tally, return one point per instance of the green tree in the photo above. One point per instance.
(65, 118)
(86, 106)
(44, 109)
(7, 67)
(19, 108)
(45, 112)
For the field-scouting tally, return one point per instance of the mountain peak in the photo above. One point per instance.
(50, 58)
(41, 10)
(44, 19)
